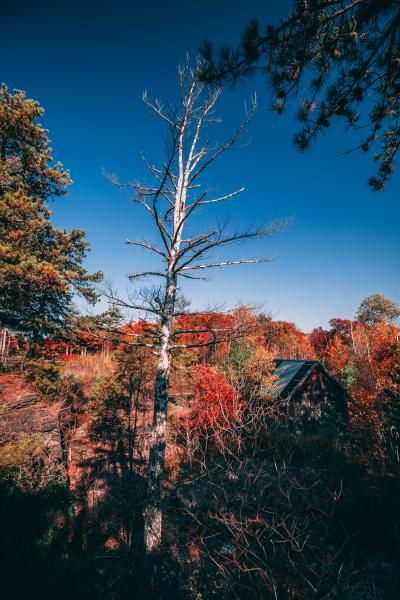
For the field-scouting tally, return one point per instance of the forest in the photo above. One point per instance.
(152, 446)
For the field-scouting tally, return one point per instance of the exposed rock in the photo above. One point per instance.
(26, 399)
(23, 412)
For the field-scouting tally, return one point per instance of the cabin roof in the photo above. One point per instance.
(292, 373)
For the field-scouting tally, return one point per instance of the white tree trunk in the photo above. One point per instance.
(153, 511)
(4, 344)
(174, 200)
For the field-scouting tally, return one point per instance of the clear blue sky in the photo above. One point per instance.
(88, 63)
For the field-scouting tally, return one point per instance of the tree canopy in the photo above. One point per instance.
(41, 266)
(377, 309)
(345, 54)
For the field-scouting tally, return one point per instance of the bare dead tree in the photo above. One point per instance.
(172, 202)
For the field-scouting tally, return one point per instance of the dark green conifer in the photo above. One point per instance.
(345, 54)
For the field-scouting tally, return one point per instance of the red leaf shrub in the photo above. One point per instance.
(216, 400)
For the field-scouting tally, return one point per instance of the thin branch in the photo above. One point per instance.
(227, 144)
(260, 232)
(157, 108)
(147, 246)
(220, 199)
(146, 274)
(228, 262)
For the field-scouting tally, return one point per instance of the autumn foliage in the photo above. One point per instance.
(216, 399)
(281, 511)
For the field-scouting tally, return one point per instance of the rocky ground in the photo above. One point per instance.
(23, 412)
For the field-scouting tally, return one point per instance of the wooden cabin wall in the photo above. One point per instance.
(319, 397)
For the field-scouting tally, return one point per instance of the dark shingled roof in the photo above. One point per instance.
(290, 374)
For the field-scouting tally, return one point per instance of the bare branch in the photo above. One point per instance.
(190, 331)
(147, 246)
(220, 241)
(228, 262)
(220, 199)
(186, 276)
(146, 274)
(132, 304)
(157, 108)
(229, 143)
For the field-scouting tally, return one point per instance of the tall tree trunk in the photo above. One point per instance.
(177, 195)
(3, 345)
(153, 511)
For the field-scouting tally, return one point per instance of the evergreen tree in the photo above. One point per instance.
(345, 53)
(40, 265)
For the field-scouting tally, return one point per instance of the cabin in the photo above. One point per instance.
(310, 395)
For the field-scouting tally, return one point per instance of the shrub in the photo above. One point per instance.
(217, 400)
(44, 375)
(18, 453)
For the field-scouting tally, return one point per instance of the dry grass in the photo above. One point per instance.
(87, 369)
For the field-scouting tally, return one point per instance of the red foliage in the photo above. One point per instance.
(343, 327)
(81, 342)
(320, 340)
(327, 344)
(216, 399)
(204, 328)
(134, 330)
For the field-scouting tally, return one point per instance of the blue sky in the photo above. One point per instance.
(88, 66)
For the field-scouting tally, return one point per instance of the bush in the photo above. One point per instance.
(44, 375)
(19, 453)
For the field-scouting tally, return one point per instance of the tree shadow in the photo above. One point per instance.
(87, 543)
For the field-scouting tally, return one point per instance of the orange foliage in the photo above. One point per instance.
(285, 340)
(367, 359)
(337, 356)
